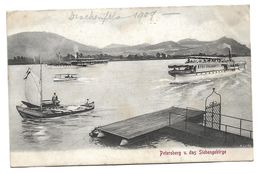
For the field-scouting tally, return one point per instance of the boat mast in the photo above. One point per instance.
(229, 54)
(59, 57)
(40, 83)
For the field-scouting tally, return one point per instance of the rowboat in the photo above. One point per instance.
(65, 77)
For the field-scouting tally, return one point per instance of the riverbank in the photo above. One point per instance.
(118, 59)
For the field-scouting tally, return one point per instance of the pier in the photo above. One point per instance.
(200, 127)
(144, 124)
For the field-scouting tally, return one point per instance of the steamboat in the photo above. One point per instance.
(197, 68)
(77, 60)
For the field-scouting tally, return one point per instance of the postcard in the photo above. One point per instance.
(130, 85)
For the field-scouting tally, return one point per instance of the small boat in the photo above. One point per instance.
(65, 77)
(37, 108)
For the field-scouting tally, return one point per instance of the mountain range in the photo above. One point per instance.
(48, 45)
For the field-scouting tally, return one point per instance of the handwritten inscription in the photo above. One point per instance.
(110, 16)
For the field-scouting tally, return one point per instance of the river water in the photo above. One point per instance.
(120, 90)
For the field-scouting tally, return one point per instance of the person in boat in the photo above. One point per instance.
(55, 100)
(87, 103)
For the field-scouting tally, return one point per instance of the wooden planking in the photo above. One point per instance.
(143, 124)
(213, 135)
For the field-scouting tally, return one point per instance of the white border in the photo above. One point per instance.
(223, 167)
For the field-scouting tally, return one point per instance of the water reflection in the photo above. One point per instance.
(47, 133)
(42, 131)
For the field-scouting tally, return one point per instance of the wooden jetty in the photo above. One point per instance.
(132, 128)
(186, 122)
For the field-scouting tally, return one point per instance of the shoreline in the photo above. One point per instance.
(123, 60)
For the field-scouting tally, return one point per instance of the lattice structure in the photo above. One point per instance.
(212, 118)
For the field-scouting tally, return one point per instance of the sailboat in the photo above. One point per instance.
(36, 108)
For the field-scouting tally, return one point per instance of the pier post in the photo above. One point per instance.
(186, 115)
(240, 127)
(225, 133)
(212, 117)
(186, 118)
(169, 118)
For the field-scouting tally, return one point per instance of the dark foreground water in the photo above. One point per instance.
(120, 90)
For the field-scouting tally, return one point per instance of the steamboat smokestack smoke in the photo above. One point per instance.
(76, 50)
(229, 53)
(229, 49)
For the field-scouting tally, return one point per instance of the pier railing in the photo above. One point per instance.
(225, 124)
(225, 127)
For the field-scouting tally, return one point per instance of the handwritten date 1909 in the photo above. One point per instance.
(142, 15)
(110, 16)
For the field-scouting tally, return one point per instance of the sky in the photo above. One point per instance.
(101, 27)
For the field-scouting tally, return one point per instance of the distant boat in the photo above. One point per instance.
(36, 108)
(77, 61)
(65, 77)
(61, 66)
(85, 61)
